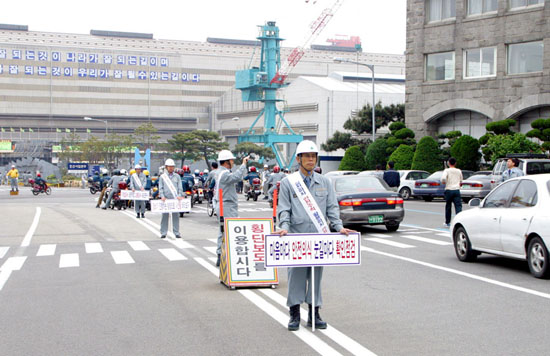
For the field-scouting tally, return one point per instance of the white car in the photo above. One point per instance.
(512, 221)
(407, 179)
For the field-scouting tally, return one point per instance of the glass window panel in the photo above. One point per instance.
(499, 197)
(535, 2)
(517, 3)
(525, 195)
(525, 57)
(475, 7)
(473, 61)
(440, 9)
(440, 66)
(434, 10)
(488, 61)
(490, 5)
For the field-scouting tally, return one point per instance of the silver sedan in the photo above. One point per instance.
(477, 186)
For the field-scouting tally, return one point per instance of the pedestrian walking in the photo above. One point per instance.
(13, 176)
(391, 176)
(170, 188)
(452, 178)
(294, 218)
(138, 181)
(513, 171)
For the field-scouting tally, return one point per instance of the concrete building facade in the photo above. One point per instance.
(470, 62)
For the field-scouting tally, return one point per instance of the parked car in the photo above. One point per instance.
(340, 173)
(528, 163)
(408, 178)
(512, 221)
(483, 173)
(432, 187)
(367, 200)
(477, 186)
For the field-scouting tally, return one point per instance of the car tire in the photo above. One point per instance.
(405, 193)
(428, 199)
(463, 246)
(466, 200)
(537, 258)
(392, 228)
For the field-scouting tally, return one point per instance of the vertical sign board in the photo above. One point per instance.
(243, 255)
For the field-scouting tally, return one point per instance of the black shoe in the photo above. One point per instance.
(319, 323)
(178, 236)
(266, 197)
(162, 236)
(143, 215)
(294, 322)
(104, 208)
(137, 216)
(218, 261)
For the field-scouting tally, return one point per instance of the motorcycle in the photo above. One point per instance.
(94, 186)
(37, 188)
(116, 202)
(189, 194)
(255, 190)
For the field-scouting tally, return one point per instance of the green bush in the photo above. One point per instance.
(466, 151)
(402, 157)
(376, 153)
(427, 155)
(353, 160)
(396, 126)
(404, 133)
(501, 127)
(500, 145)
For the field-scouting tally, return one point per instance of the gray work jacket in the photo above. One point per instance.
(165, 192)
(142, 178)
(227, 181)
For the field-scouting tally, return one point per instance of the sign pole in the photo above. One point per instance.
(312, 299)
(275, 196)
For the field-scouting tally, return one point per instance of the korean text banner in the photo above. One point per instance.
(137, 195)
(302, 250)
(171, 206)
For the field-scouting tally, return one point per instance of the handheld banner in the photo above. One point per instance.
(304, 250)
(171, 206)
(137, 195)
(244, 252)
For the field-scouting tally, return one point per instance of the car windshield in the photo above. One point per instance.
(359, 183)
(436, 175)
(479, 177)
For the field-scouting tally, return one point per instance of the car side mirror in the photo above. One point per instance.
(474, 202)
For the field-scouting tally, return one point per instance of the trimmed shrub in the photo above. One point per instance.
(376, 153)
(427, 155)
(403, 157)
(353, 160)
(404, 133)
(396, 126)
(466, 151)
(501, 145)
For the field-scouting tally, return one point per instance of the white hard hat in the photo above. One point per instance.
(197, 171)
(206, 171)
(306, 146)
(124, 172)
(266, 166)
(137, 166)
(225, 155)
(13, 166)
(170, 162)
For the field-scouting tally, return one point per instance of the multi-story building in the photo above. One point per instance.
(470, 62)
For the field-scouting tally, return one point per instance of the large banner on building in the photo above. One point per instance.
(171, 206)
(300, 250)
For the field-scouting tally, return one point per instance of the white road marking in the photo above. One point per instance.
(460, 273)
(93, 247)
(4, 276)
(424, 228)
(13, 263)
(172, 255)
(32, 229)
(122, 257)
(447, 235)
(3, 251)
(305, 335)
(69, 260)
(211, 249)
(46, 250)
(213, 241)
(426, 240)
(384, 236)
(138, 246)
(389, 243)
(213, 259)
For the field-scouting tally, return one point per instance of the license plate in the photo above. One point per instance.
(424, 185)
(375, 219)
(465, 186)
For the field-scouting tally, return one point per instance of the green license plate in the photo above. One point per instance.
(376, 219)
(424, 186)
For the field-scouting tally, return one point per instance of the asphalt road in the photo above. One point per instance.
(75, 280)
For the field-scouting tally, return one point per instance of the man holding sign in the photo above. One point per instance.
(306, 201)
(170, 188)
(138, 182)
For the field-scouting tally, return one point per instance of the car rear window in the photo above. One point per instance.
(358, 183)
(436, 175)
(538, 167)
(479, 177)
(500, 166)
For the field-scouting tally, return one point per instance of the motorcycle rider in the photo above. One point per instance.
(211, 178)
(274, 178)
(13, 175)
(113, 183)
(103, 180)
(187, 180)
(138, 181)
(226, 180)
(265, 178)
(40, 182)
(170, 187)
(249, 178)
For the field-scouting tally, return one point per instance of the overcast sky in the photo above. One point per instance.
(381, 24)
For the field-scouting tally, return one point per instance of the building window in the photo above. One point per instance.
(440, 66)
(438, 10)
(518, 4)
(525, 57)
(480, 62)
(478, 7)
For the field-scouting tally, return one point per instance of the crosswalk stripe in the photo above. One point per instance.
(138, 246)
(447, 235)
(213, 259)
(3, 251)
(69, 260)
(423, 239)
(389, 242)
(13, 263)
(93, 247)
(211, 249)
(46, 250)
(172, 255)
(379, 235)
(122, 257)
(213, 240)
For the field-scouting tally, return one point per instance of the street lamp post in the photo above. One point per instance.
(235, 119)
(104, 121)
(371, 67)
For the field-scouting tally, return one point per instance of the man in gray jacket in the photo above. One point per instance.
(170, 188)
(138, 181)
(113, 183)
(226, 180)
(294, 218)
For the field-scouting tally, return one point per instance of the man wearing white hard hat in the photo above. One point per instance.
(170, 188)
(138, 180)
(294, 218)
(226, 180)
(13, 175)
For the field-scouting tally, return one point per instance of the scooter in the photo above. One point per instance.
(255, 190)
(94, 186)
(37, 188)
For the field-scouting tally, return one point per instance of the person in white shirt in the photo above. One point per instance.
(513, 171)
(452, 178)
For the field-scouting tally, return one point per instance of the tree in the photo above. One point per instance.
(376, 153)
(399, 135)
(339, 140)
(185, 145)
(427, 155)
(70, 150)
(541, 130)
(402, 157)
(207, 144)
(353, 160)
(499, 146)
(446, 141)
(146, 135)
(466, 151)
(244, 149)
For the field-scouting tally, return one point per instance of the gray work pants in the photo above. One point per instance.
(229, 213)
(139, 205)
(175, 223)
(108, 202)
(266, 188)
(299, 286)
(14, 185)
